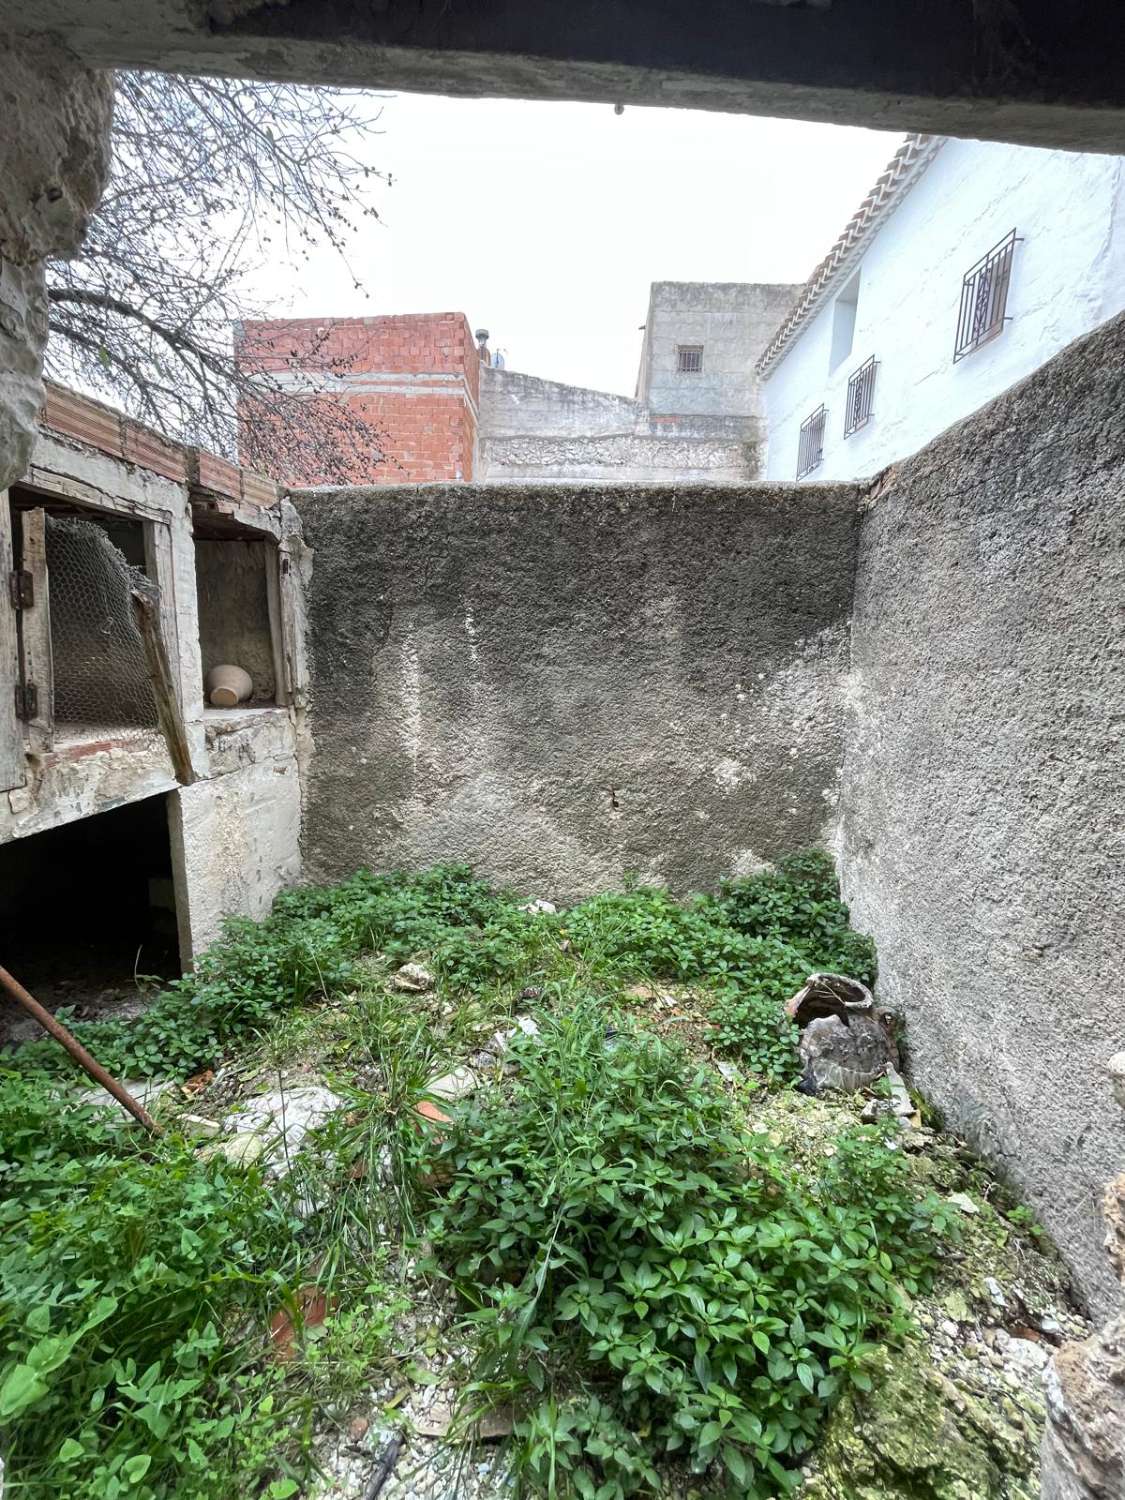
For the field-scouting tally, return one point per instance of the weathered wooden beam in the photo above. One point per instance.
(146, 612)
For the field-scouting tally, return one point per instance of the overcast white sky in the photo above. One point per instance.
(546, 223)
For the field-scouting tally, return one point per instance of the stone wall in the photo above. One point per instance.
(984, 781)
(731, 323)
(562, 685)
(535, 431)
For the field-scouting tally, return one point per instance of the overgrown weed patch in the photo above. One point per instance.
(645, 1273)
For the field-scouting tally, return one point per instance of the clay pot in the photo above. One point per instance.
(228, 685)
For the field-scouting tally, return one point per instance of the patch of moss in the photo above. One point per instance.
(922, 1436)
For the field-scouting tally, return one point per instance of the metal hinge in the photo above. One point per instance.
(21, 588)
(27, 700)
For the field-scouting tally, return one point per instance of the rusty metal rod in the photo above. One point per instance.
(77, 1051)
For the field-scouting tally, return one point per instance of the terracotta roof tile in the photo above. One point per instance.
(894, 182)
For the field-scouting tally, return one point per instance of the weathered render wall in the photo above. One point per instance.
(984, 778)
(1068, 277)
(534, 430)
(235, 831)
(562, 685)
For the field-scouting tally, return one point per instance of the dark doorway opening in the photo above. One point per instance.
(88, 915)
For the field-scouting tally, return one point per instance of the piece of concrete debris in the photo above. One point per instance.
(963, 1202)
(241, 1150)
(415, 979)
(995, 1291)
(198, 1126)
(539, 908)
(282, 1119)
(146, 1091)
(438, 1418)
(845, 1042)
(901, 1102)
(456, 1085)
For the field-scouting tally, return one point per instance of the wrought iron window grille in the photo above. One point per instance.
(861, 396)
(810, 448)
(689, 359)
(984, 298)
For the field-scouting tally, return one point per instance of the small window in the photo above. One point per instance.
(843, 323)
(861, 394)
(810, 449)
(689, 359)
(984, 298)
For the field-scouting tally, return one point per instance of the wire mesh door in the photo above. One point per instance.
(101, 683)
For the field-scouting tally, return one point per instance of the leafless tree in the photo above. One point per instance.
(210, 177)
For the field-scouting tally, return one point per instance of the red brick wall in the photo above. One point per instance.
(424, 425)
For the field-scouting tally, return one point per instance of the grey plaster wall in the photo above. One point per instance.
(561, 685)
(732, 321)
(536, 431)
(984, 784)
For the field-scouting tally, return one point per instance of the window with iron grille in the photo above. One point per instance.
(861, 395)
(984, 298)
(810, 449)
(689, 359)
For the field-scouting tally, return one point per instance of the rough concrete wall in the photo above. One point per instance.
(1044, 74)
(984, 781)
(54, 157)
(234, 620)
(732, 321)
(564, 685)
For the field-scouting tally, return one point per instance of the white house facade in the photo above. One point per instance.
(968, 266)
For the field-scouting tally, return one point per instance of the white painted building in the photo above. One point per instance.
(911, 286)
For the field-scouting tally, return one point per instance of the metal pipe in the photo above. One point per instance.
(77, 1051)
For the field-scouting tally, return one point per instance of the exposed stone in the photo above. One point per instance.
(921, 1434)
(539, 908)
(241, 1150)
(1084, 1445)
(54, 156)
(415, 979)
(839, 1052)
(281, 1119)
(456, 1085)
(1116, 1070)
(963, 1202)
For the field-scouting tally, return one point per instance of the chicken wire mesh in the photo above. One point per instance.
(100, 676)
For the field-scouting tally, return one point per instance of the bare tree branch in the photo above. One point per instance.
(210, 177)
